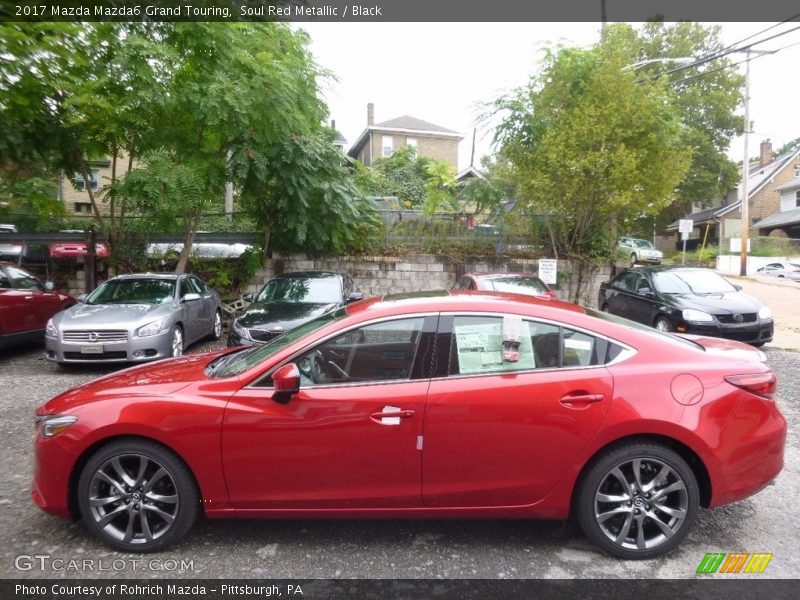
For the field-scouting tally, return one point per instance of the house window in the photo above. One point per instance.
(797, 170)
(413, 143)
(80, 184)
(83, 208)
(388, 146)
(797, 199)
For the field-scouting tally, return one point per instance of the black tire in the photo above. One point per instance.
(216, 332)
(150, 517)
(663, 324)
(636, 528)
(604, 308)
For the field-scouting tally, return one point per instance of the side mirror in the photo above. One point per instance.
(83, 297)
(286, 381)
(249, 297)
(738, 287)
(646, 292)
(355, 296)
(48, 286)
(191, 297)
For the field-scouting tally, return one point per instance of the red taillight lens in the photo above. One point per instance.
(760, 384)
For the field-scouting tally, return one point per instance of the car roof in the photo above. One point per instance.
(499, 275)
(664, 268)
(308, 275)
(149, 276)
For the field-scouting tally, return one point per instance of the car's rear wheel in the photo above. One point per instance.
(176, 347)
(638, 500)
(663, 324)
(137, 496)
(216, 330)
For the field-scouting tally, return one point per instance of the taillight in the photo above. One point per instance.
(760, 384)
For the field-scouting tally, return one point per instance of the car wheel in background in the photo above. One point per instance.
(663, 324)
(137, 496)
(633, 260)
(638, 500)
(216, 330)
(176, 347)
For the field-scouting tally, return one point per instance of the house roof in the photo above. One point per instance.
(468, 173)
(338, 138)
(758, 177)
(779, 219)
(407, 125)
(794, 184)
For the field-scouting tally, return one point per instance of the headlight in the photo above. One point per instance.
(240, 331)
(154, 328)
(51, 425)
(764, 313)
(50, 330)
(690, 314)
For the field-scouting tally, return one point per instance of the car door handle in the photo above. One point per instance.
(575, 400)
(391, 415)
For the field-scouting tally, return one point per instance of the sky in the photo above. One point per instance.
(444, 72)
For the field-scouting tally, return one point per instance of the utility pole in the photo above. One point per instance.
(229, 189)
(745, 206)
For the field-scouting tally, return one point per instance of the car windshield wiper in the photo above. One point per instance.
(221, 361)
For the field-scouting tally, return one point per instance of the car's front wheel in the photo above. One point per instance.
(638, 500)
(176, 346)
(216, 330)
(137, 496)
(663, 324)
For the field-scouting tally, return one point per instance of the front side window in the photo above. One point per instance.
(627, 281)
(199, 286)
(384, 351)
(22, 280)
(133, 291)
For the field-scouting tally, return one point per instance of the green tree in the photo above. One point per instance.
(588, 143)
(707, 95)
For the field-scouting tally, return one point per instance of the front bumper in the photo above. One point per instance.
(759, 332)
(134, 349)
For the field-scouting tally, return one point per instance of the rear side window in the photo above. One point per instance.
(476, 346)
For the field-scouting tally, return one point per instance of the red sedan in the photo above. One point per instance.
(433, 405)
(526, 284)
(26, 304)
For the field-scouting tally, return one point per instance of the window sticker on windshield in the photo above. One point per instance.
(480, 349)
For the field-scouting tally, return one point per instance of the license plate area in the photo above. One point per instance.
(92, 349)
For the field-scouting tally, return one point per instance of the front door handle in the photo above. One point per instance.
(391, 415)
(580, 400)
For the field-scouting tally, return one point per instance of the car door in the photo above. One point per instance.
(191, 310)
(40, 304)
(15, 313)
(207, 307)
(349, 438)
(643, 303)
(620, 290)
(503, 433)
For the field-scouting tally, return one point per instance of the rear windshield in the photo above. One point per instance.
(519, 285)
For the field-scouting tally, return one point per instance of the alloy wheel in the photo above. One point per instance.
(133, 498)
(641, 504)
(177, 342)
(663, 325)
(217, 325)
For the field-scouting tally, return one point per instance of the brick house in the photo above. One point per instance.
(75, 197)
(771, 182)
(381, 139)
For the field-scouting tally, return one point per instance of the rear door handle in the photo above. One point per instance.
(391, 415)
(580, 400)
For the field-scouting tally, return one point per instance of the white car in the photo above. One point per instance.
(641, 251)
(782, 269)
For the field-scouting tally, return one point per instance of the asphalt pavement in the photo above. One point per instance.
(35, 545)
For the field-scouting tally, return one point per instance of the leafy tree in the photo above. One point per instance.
(589, 143)
(440, 187)
(788, 147)
(707, 95)
(495, 188)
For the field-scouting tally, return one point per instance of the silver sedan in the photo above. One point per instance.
(135, 318)
(782, 269)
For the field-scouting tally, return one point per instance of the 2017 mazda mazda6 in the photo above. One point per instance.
(422, 405)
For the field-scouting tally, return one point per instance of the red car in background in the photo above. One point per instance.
(410, 406)
(73, 249)
(26, 304)
(515, 283)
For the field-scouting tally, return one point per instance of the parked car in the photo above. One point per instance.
(135, 318)
(26, 304)
(410, 406)
(289, 300)
(687, 300)
(640, 251)
(11, 250)
(516, 283)
(782, 269)
(74, 249)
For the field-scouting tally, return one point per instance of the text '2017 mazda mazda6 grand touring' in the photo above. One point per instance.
(436, 405)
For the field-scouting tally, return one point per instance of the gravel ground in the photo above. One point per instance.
(365, 549)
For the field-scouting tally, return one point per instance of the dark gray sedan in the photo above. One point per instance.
(135, 318)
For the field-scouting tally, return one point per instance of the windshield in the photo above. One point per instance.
(519, 285)
(238, 362)
(307, 290)
(642, 244)
(643, 328)
(133, 291)
(700, 281)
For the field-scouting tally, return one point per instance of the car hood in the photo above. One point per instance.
(287, 315)
(730, 303)
(156, 379)
(116, 315)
